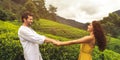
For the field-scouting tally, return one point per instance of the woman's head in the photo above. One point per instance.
(90, 28)
(99, 35)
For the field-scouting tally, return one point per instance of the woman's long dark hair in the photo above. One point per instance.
(99, 35)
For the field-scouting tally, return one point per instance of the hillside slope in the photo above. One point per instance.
(58, 29)
(9, 42)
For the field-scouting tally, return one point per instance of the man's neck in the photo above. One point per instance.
(24, 24)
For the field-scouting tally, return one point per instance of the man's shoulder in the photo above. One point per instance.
(22, 28)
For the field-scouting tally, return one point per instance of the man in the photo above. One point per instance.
(30, 40)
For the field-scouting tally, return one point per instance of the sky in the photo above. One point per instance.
(84, 10)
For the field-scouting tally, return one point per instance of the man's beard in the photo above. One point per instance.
(29, 24)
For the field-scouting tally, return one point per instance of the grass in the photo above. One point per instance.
(50, 27)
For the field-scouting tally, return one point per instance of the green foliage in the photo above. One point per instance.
(50, 52)
(20, 1)
(54, 28)
(30, 6)
(10, 45)
(106, 55)
(113, 44)
(52, 9)
(11, 49)
(112, 24)
(5, 15)
(12, 9)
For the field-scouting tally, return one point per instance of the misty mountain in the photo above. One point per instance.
(73, 22)
(70, 22)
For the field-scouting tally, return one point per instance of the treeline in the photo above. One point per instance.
(112, 25)
(12, 9)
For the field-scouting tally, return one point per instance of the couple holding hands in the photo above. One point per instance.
(30, 40)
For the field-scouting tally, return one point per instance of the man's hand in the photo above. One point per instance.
(55, 42)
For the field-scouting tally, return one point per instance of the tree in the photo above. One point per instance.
(30, 6)
(20, 1)
(52, 9)
(42, 11)
(112, 24)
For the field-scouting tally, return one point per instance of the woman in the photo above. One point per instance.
(88, 42)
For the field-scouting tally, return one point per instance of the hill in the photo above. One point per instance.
(58, 29)
(71, 22)
(110, 22)
(117, 12)
(10, 43)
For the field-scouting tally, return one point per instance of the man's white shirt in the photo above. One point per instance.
(30, 41)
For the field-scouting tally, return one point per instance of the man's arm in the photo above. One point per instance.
(49, 40)
(31, 37)
(35, 38)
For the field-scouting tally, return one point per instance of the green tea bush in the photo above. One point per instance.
(10, 45)
(105, 55)
(11, 49)
(55, 28)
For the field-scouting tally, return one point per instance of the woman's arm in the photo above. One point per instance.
(85, 39)
(53, 41)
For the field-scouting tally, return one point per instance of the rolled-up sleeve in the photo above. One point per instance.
(32, 37)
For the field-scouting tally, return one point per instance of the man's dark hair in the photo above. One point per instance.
(25, 15)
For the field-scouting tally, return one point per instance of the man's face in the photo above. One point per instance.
(29, 21)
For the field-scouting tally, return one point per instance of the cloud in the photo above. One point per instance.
(84, 10)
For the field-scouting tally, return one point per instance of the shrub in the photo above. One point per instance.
(6, 15)
(11, 49)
